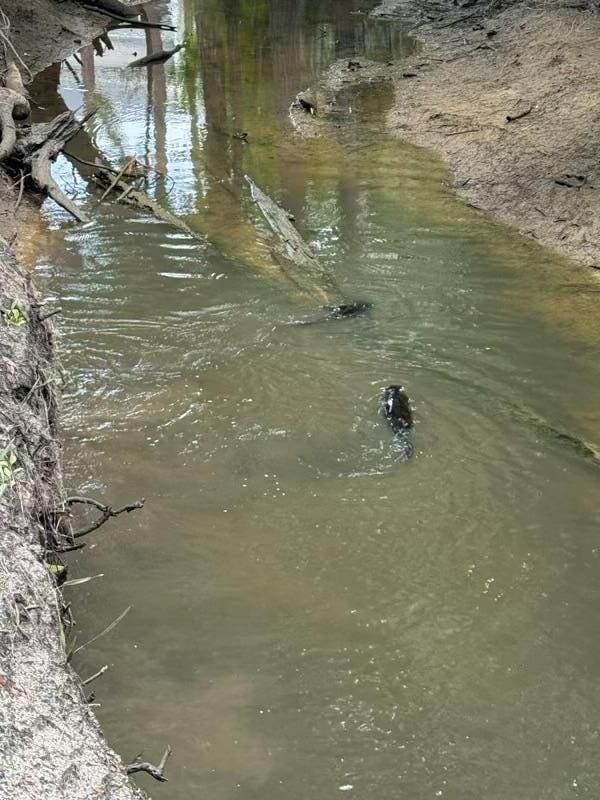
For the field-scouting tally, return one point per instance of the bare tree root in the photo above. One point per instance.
(13, 80)
(12, 105)
(106, 512)
(61, 130)
(157, 771)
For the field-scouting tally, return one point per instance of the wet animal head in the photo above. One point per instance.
(350, 309)
(395, 407)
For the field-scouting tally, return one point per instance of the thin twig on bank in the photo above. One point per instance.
(21, 187)
(93, 677)
(106, 510)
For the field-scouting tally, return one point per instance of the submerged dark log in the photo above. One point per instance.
(157, 771)
(156, 58)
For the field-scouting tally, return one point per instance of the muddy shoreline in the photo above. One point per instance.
(507, 98)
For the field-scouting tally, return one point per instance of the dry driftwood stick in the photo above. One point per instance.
(466, 130)
(93, 677)
(106, 512)
(21, 187)
(120, 174)
(157, 771)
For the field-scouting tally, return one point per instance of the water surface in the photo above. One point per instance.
(309, 615)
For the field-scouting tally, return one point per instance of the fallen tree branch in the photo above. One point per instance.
(157, 771)
(129, 195)
(98, 164)
(127, 22)
(127, 164)
(106, 510)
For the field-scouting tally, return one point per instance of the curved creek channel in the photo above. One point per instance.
(309, 615)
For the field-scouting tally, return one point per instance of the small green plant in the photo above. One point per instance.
(8, 469)
(14, 316)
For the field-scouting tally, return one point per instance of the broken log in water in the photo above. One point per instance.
(295, 257)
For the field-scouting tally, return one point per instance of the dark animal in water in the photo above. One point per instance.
(395, 407)
(305, 105)
(345, 310)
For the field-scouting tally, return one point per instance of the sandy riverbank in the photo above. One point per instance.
(535, 63)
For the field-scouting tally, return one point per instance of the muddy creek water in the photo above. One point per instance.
(310, 616)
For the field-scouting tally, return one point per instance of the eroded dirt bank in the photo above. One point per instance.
(480, 64)
(52, 745)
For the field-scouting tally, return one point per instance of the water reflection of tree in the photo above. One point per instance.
(157, 100)
(254, 56)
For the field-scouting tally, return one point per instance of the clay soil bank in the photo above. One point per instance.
(479, 65)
